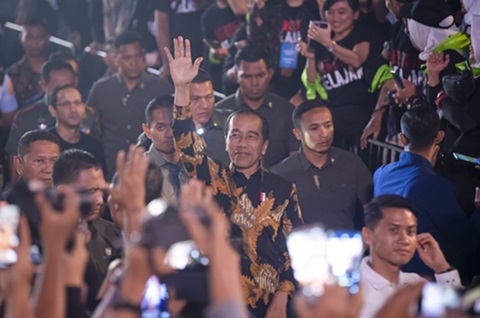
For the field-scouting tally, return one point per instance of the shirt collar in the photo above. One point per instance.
(306, 164)
(374, 279)
(419, 160)
(241, 179)
(240, 102)
(140, 83)
(156, 156)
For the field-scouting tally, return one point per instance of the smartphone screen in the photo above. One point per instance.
(155, 297)
(9, 218)
(344, 255)
(313, 45)
(466, 158)
(307, 250)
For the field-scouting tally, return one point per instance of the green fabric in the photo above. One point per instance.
(313, 88)
(381, 76)
(459, 42)
(462, 66)
(212, 59)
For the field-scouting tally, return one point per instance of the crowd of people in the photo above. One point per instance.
(158, 166)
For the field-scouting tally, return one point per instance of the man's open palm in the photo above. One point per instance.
(182, 70)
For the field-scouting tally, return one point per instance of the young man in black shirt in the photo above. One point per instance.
(67, 108)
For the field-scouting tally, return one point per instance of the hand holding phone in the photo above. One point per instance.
(398, 79)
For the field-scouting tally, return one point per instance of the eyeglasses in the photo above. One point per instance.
(76, 103)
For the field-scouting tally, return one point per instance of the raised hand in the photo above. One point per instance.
(430, 253)
(182, 70)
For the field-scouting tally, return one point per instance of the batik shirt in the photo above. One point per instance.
(262, 210)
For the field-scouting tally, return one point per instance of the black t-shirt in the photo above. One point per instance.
(185, 18)
(87, 143)
(344, 84)
(404, 56)
(219, 24)
(295, 22)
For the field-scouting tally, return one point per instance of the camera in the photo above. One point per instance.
(23, 195)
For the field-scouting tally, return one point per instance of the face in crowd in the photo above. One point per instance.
(202, 102)
(316, 130)
(245, 143)
(394, 239)
(37, 162)
(57, 78)
(131, 60)
(160, 130)
(341, 17)
(254, 79)
(35, 39)
(70, 110)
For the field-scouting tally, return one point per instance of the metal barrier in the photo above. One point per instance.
(380, 153)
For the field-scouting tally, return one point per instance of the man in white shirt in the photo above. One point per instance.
(391, 233)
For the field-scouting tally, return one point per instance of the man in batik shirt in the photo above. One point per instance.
(262, 207)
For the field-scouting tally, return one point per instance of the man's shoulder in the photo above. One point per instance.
(279, 101)
(228, 102)
(348, 158)
(31, 112)
(15, 68)
(105, 228)
(104, 82)
(288, 165)
(277, 181)
(410, 278)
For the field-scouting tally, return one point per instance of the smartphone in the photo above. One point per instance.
(307, 250)
(185, 255)
(313, 45)
(466, 158)
(397, 78)
(437, 298)
(155, 298)
(9, 219)
(344, 254)
(321, 24)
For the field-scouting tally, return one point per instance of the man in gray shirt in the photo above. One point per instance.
(330, 181)
(158, 127)
(254, 77)
(120, 100)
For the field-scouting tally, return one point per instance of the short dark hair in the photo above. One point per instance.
(62, 55)
(36, 21)
(30, 137)
(265, 128)
(251, 54)
(305, 107)
(164, 101)
(54, 65)
(352, 3)
(373, 212)
(202, 77)
(58, 89)
(70, 163)
(153, 182)
(125, 39)
(420, 125)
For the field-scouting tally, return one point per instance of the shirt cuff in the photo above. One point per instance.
(182, 112)
(450, 278)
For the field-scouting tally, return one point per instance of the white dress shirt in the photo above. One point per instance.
(377, 290)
